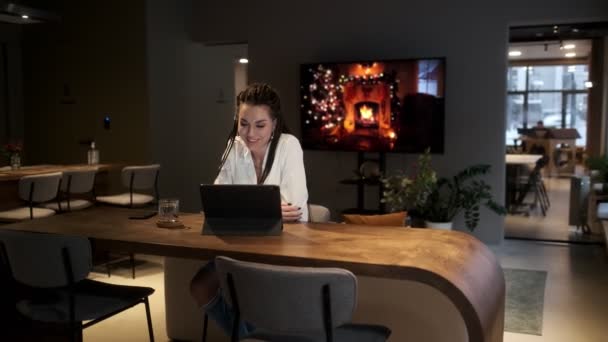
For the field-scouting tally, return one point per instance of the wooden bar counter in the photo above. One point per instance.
(390, 262)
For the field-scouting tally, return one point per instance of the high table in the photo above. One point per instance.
(515, 163)
(449, 278)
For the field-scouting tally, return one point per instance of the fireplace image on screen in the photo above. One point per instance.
(384, 106)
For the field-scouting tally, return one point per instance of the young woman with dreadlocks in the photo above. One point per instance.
(260, 150)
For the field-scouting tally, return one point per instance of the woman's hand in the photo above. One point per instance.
(291, 213)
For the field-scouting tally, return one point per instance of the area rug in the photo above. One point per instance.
(525, 300)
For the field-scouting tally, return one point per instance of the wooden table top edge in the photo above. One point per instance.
(477, 281)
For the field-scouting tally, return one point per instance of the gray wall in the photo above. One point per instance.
(472, 36)
(98, 51)
(11, 99)
(604, 135)
(191, 92)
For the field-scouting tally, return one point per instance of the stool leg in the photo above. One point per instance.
(132, 257)
(149, 318)
(205, 322)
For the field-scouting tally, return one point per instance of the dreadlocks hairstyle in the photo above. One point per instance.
(259, 94)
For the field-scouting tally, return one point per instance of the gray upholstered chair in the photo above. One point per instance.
(56, 268)
(34, 190)
(286, 303)
(135, 178)
(75, 182)
(318, 213)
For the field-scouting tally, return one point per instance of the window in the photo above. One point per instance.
(555, 94)
(428, 76)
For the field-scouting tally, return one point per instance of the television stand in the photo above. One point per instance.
(364, 180)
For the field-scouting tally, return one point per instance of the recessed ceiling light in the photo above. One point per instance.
(588, 84)
(514, 53)
(243, 60)
(570, 54)
(569, 46)
(25, 16)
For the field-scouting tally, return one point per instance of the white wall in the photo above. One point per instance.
(472, 35)
(191, 92)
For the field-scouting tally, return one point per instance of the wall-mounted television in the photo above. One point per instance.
(374, 106)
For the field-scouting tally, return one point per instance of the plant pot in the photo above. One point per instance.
(438, 225)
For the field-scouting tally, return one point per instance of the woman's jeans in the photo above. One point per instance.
(218, 310)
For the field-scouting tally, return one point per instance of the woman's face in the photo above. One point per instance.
(255, 126)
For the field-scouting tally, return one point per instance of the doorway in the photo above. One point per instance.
(553, 115)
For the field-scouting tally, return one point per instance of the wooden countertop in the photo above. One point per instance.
(522, 159)
(454, 263)
(11, 175)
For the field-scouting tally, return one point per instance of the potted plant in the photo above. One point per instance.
(464, 192)
(438, 201)
(598, 167)
(410, 192)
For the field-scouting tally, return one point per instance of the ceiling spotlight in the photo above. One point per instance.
(25, 16)
(555, 29)
(569, 46)
(514, 53)
(575, 30)
(570, 54)
(243, 60)
(588, 84)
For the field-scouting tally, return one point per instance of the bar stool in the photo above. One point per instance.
(318, 213)
(135, 178)
(75, 182)
(34, 190)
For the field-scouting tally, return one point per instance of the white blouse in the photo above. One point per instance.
(287, 170)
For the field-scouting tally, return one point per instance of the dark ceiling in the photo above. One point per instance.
(558, 32)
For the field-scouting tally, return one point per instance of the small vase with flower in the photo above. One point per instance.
(13, 151)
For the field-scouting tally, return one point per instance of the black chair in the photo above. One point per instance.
(534, 184)
(295, 304)
(55, 267)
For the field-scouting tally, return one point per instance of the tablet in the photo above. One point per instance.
(241, 209)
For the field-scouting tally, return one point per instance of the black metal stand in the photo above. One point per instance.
(362, 182)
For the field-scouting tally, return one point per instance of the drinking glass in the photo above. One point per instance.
(168, 210)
